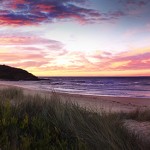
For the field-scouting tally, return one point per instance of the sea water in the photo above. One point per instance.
(108, 86)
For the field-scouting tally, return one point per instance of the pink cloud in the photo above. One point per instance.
(136, 62)
(122, 61)
(26, 51)
(26, 40)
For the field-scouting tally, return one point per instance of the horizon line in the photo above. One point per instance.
(94, 76)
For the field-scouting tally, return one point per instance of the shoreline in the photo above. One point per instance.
(93, 102)
(138, 92)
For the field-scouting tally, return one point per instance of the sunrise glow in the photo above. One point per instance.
(76, 38)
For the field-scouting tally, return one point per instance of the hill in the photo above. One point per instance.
(15, 74)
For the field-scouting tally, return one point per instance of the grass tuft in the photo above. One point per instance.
(33, 122)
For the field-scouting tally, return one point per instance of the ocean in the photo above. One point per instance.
(102, 86)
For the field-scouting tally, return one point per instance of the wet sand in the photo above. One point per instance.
(96, 103)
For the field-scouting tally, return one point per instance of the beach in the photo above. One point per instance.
(131, 110)
(92, 102)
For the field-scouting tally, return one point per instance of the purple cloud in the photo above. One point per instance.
(27, 12)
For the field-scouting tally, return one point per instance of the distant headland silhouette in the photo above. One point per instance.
(15, 74)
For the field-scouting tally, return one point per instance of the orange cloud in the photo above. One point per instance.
(120, 64)
(54, 60)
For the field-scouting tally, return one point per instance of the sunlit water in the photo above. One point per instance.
(110, 86)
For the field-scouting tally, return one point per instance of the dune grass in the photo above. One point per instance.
(138, 115)
(32, 122)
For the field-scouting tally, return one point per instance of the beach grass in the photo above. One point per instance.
(37, 123)
(139, 115)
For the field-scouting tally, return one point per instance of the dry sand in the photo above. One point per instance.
(96, 103)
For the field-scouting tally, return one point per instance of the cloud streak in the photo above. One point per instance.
(51, 60)
(26, 12)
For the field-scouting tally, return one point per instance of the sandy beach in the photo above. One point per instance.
(106, 104)
(96, 103)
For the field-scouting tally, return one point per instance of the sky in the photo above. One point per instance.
(76, 37)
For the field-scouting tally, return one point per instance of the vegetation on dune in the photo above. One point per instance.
(138, 115)
(32, 122)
